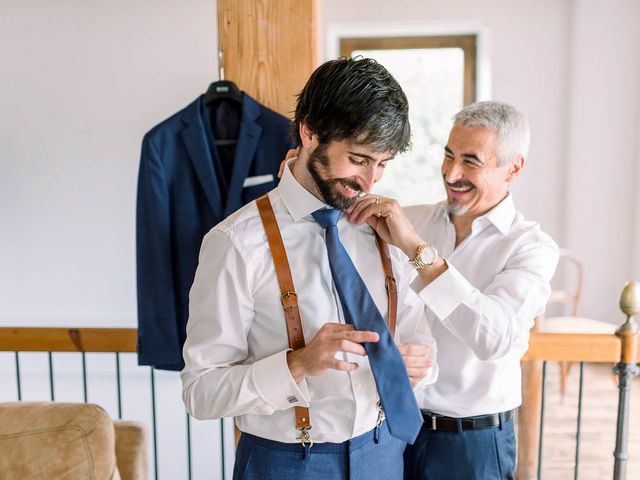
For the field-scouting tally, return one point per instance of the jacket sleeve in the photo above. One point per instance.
(157, 331)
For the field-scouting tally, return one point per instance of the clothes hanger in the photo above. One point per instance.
(222, 90)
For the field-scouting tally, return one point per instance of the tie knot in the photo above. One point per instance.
(327, 217)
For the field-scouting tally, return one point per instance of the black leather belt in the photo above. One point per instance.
(433, 421)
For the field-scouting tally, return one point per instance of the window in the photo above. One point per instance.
(438, 75)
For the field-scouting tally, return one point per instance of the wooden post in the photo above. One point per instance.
(529, 420)
(268, 48)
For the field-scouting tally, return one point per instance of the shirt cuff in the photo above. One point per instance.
(274, 383)
(444, 294)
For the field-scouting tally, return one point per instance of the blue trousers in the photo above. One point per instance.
(487, 454)
(360, 458)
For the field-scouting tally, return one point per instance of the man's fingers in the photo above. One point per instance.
(365, 208)
(417, 373)
(349, 347)
(338, 327)
(344, 366)
(360, 336)
(294, 152)
(414, 350)
(416, 361)
(281, 168)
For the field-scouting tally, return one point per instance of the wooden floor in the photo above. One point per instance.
(597, 442)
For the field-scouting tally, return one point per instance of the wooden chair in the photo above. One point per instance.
(570, 275)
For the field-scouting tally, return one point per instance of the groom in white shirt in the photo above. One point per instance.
(351, 119)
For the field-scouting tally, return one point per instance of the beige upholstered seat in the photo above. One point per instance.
(47, 440)
(570, 273)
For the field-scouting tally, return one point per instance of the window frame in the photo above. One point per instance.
(467, 43)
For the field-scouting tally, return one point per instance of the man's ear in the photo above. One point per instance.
(515, 168)
(309, 139)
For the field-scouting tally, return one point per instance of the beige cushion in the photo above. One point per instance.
(570, 324)
(65, 441)
(131, 449)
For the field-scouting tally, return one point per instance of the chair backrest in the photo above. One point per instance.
(567, 281)
(45, 440)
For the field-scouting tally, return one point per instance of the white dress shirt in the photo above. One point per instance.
(482, 307)
(235, 352)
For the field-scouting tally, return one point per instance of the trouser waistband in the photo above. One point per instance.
(433, 421)
(324, 447)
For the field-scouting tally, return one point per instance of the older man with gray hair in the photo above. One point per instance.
(483, 273)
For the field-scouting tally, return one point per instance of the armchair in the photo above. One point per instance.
(48, 440)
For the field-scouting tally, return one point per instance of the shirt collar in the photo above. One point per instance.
(501, 215)
(297, 199)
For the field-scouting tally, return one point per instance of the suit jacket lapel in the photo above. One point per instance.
(195, 139)
(248, 138)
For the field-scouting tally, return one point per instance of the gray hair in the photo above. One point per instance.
(509, 123)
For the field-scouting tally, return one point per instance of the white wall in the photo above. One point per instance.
(573, 67)
(602, 156)
(81, 82)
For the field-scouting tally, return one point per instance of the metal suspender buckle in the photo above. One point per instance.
(381, 418)
(305, 437)
(390, 284)
(289, 300)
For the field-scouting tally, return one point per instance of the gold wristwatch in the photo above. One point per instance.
(426, 255)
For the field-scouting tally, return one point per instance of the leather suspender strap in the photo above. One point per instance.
(389, 283)
(288, 297)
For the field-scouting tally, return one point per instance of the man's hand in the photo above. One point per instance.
(290, 154)
(416, 359)
(386, 217)
(319, 354)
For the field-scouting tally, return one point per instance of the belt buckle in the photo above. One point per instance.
(433, 422)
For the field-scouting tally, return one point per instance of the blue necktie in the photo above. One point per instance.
(396, 395)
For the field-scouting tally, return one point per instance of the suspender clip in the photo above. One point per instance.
(305, 437)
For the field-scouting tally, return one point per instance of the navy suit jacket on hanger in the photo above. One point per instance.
(181, 196)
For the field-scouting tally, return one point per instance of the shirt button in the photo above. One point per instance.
(358, 386)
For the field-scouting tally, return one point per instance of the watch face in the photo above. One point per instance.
(428, 255)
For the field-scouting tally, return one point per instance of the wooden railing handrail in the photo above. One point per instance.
(598, 348)
(41, 339)
(574, 347)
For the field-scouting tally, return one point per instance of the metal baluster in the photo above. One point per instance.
(18, 384)
(626, 369)
(84, 376)
(575, 471)
(118, 385)
(540, 444)
(189, 446)
(222, 447)
(153, 421)
(53, 396)
(626, 372)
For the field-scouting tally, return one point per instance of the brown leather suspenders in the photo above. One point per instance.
(289, 298)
